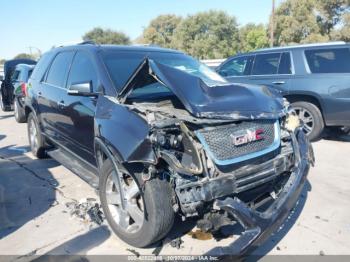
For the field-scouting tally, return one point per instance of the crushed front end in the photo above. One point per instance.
(249, 172)
(246, 167)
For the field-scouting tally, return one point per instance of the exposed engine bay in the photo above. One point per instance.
(197, 178)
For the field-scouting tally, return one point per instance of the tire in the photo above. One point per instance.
(314, 112)
(158, 214)
(19, 112)
(38, 146)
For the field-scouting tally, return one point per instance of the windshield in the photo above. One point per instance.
(193, 67)
(122, 64)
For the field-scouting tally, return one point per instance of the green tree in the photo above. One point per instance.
(295, 20)
(342, 33)
(330, 12)
(24, 56)
(208, 35)
(252, 36)
(161, 30)
(306, 21)
(106, 36)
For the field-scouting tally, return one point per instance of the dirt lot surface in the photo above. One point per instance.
(35, 210)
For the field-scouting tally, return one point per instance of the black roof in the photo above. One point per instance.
(132, 48)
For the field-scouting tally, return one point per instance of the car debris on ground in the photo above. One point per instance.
(87, 210)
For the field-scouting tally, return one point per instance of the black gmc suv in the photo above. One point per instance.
(158, 133)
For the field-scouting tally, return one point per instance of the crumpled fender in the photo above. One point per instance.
(123, 130)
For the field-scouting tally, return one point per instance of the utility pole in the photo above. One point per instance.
(31, 51)
(272, 24)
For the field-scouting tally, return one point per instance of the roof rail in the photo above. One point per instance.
(303, 45)
(88, 42)
(150, 45)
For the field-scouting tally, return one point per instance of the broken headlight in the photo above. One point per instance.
(292, 122)
(177, 148)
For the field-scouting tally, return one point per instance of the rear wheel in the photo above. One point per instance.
(36, 139)
(311, 117)
(138, 218)
(19, 114)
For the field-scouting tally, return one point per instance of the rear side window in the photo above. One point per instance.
(41, 67)
(266, 64)
(236, 67)
(59, 69)
(336, 60)
(15, 75)
(285, 66)
(29, 73)
(82, 70)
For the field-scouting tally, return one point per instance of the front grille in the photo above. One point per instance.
(218, 141)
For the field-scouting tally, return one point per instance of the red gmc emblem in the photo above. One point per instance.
(249, 136)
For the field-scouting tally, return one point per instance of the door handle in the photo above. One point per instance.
(278, 82)
(40, 94)
(61, 104)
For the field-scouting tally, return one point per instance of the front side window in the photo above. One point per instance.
(59, 69)
(336, 60)
(82, 71)
(266, 64)
(235, 67)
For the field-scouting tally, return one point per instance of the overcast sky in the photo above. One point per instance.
(43, 24)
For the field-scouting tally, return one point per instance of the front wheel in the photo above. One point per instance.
(138, 218)
(311, 117)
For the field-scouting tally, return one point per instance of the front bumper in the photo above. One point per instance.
(260, 225)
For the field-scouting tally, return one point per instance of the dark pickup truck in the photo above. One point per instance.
(158, 134)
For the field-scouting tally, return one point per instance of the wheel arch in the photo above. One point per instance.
(310, 98)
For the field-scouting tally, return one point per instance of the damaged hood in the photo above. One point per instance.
(224, 101)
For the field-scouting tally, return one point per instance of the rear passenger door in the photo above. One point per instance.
(52, 94)
(273, 69)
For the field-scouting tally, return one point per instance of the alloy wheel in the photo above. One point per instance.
(306, 117)
(127, 209)
(33, 135)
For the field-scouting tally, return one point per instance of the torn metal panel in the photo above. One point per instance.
(226, 101)
(124, 130)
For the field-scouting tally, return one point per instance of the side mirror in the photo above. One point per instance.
(81, 89)
(1, 78)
